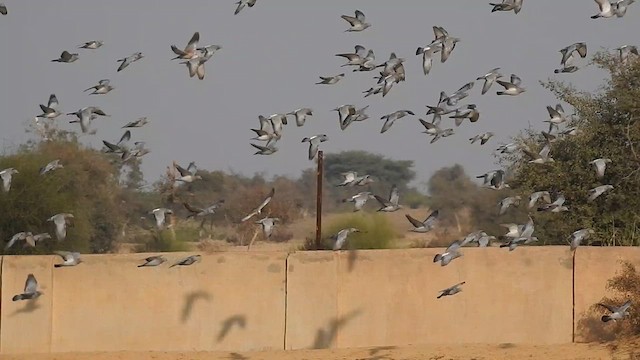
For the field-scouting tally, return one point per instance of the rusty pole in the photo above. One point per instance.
(319, 178)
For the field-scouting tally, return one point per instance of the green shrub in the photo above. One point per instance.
(376, 232)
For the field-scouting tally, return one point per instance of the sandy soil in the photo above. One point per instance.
(466, 352)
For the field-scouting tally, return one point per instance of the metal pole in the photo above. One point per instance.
(319, 178)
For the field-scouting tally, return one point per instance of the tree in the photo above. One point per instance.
(86, 187)
(608, 124)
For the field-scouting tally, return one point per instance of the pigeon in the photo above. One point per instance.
(508, 148)
(608, 9)
(451, 290)
(427, 55)
(358, 23)
(520, 234)
(507, 5)
(556, 116)
(579, 47)
(484, 240)
(373, 90)
(617, 313)
(534, 197)
(7, 176)
(301, 115)
(60, 221)
(513, 243)
(390, 205)
(621, 7)
(542, 157)
(51, 110)
(267, 225)
(625, 51)
(129, 60)
(505, 203)
(345, 114)
(3, 9)
(189, 260)
(137, 123)
(160, 215)
(93, 44)
(195, 65)
(455, 97)
(198, 212)
(359, 199)
(599, 164)
(53, 165)
(469, 112)
(153, 261)
(391, 118)
(484, 137)
(489, 78)
(436, 131)
(242, 3)
(341, 237)
(70, 258)
(512, 87)
(452, 252)
(556, 206)
(25, 236)
(349, 178)
(368, 62)
(66, 57)
(314, 142)
(258, 210)
(356, 58)
(597, 191)
(103, 87)
(426, 225)
(189, 52)
(494, 180)
(264, 150)
(188, 175)
(578, 236)
(30, 290)
(330, 80)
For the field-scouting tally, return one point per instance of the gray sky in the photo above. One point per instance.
(272, 55)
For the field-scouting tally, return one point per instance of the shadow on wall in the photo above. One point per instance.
(235, 320)
(189, 302)
(351, 260)
(326, 336)
(29, 306)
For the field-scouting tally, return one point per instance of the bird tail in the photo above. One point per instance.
(141, 265)
(419, 51)
(605, 318)
(504, 245)
(437, 258)
(20, 297)
(58, 265)
(439, 296)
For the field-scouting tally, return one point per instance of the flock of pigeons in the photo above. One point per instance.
(391, 72)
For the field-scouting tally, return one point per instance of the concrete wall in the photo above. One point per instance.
(256, 301)
(388, 297)
(593, 269)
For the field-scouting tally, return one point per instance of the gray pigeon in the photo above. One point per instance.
(30, 289)
(160, 215)
(359, 199)
(330, 80)
(314, 142)
(66, 57)
(505, 203)
(242, 3)
(60, 221)
(153, 261)
(452, 252)
(600, 166)
(426, 225)
(390, 205)
(489, 78)
(53, 165)
(451, 290)
(507, 5)
(129, 60)
(301, 115)
(597, 191)
(580, 235)
(268, 224)
(3, 9)
(25, 236)
(189, 260)
(70, 258)
(512, 87)
(6, 176)
(341, 237)
(617, 313)
(93, 44)
(358, 23)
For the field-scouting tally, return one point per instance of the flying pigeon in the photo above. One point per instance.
(51, 110)
(129, 60)
(599, 164)
(512, 87)
(452, 252)
(489, 78)
(359, 199)
(301, 115)
(70, 258)
(60, 221)
(389, 119)
(268, 224)
(258, 210)
(93, 44)
(7, 176)
(341, 237)
(103, 87)
(30, 289)
(242, 3)
(160, 215)
(597, 191)
(451, 290)
(358, 23)
(25, 236)
(580, 235)
(330, 80)
(189, 260)
(505, 203)
(188, 175)
(137, 123)
(66, 57)
(153, 261)
(390, 205)
(426, 225)
(189, 51)
(507, 5)
(617, 313)
(314, 142)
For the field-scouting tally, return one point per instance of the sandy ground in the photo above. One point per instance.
(459, 352)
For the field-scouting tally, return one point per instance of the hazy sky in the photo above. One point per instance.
(272, 55)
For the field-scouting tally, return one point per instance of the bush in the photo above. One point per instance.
(626, 286)
(377, 232)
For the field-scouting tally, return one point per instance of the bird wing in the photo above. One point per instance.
(608, 307)
(394, 196)
(266, 200)
(183, 171)
(31, 285)
(192, 209)
(360, 15)
(53, 101)
(416, 223)
(350, 19)
(431, 218)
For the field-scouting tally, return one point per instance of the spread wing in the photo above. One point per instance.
(31, 285)
(394, 196)
(414, 222)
